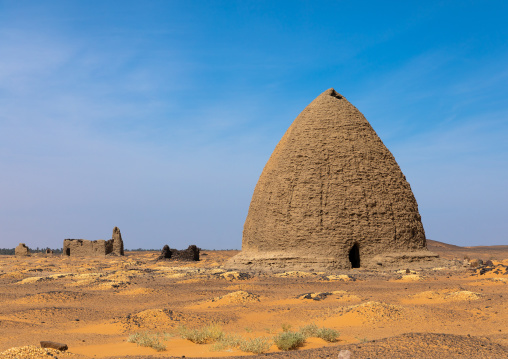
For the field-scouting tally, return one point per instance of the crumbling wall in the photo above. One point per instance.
(83, 247)
(101, 247)
(117, 242)
(22, 250)
(189, 254)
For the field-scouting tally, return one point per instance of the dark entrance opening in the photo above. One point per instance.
(354, 256)
(68, 251)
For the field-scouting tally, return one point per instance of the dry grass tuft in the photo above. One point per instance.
(256, 345)
(209, 334)
(147, 339)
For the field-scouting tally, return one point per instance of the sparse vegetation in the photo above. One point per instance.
(256, 345)
(328, 334)
(232, 341)
(309, 330)
(289, 340)
(227, 341)
(286, 327)
(209, 334)
(312, 330)
(147, 339)
(362, 340)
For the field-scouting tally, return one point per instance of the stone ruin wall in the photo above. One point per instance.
(22, 250)
(101, 247)
(83, 247)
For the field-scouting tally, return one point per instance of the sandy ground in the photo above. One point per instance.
(94, 304)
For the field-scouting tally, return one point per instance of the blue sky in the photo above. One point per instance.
(158, 116)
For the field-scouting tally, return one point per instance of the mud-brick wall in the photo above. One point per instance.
(83, 247)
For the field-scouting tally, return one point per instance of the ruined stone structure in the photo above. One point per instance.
(117, 242)
(331, 196)
(101, 247)
(22, 250)
(189, 254)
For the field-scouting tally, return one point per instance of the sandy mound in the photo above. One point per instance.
(232, 275)
(136, 291)
(100, 281)
(443, 296)
(341, 295)
(85, 279)
(238, 297)
(406, 271)
(372, 312)
(13, 275)
(154, 319)
(340, 277)
(297, 274)
(411, 278)
(53, 296)
(499, 280)
(33, 280)
(34, 352)
(235, 298)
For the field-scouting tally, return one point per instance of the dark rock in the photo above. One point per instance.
(54, 345)
(489, 263)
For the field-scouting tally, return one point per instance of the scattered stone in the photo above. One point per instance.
(54, 345)
(344, 354)
(489, 263)
(231, 275)
(22, 250)
(314, 296)
(331, 196)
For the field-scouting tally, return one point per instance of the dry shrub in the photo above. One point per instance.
(209, 334)
(312, 330)
(328, 334)
(256, 345)
(228, 341)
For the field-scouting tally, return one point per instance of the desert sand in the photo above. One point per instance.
(94, 304)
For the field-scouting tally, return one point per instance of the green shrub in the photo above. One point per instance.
(208, 334)
(147, 339)
(330, 335)
(289, 340)
(256, 345)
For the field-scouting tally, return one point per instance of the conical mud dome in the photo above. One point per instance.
(331, 196)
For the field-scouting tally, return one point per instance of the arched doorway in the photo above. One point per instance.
(354, 256)
(68, 251)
